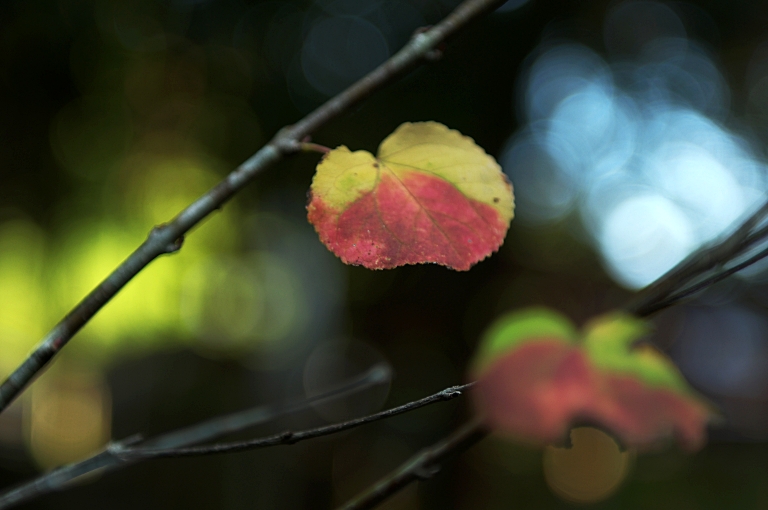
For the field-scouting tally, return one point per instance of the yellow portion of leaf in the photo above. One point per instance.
(615, 330)
(516, 328)
(431, 147)
(343, 176)
(428, 147)
(608, 340)
(657, 369)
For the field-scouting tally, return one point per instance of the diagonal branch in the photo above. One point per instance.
(288, 437)
(717, 276)
(176, 444)
(674, 285)
(168, 237)
(421, 466)
(236, 422)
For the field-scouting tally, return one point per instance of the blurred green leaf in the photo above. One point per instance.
(516, 328)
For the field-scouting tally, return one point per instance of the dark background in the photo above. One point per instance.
(108, 108)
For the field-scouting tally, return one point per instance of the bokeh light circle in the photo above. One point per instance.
(339, 50)
(590, 470)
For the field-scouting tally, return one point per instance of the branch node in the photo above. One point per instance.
(115, 448)
(433, 55)
(286, 142)
(175, 245)
(420, 37)
(420, 30)
(451, 393)
(118, 448)
(159, 231)
(427, 471)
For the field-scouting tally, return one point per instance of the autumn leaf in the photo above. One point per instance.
(431, 195)
(537, 376)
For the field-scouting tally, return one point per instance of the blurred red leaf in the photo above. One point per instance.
(534, 386)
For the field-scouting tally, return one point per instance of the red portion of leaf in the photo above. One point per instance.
(414, 220)
(535, 390)
(644, 414)
(540, 389)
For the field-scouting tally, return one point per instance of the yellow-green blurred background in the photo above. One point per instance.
(115, 115)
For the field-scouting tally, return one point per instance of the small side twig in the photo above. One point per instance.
(240, 421)
(289, 437)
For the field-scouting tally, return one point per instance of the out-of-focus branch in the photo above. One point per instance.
(421, 466)
(115, 455)
(717, 276)
(704, 267)
(237, 422)
(176, 444)
(168, 237)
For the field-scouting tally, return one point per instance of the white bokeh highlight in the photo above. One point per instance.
(634, 144)
(643, 237)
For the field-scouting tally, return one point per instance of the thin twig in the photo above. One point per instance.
(168, 237)
(422, 466)
(710, 280)
(651, 299)
(240, 421)
(288, 437)
(113, 457)
(128, 452)
(758, 235)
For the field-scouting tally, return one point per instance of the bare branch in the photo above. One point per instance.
(421, 466)
(178, 443)
(168, 237)
(237, 422)
(289, 437)
(113, 457)
(708, 281)
(671, 287)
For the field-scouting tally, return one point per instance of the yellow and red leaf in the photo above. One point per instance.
(431, 195)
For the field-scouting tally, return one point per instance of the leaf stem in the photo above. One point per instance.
(314, 147)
